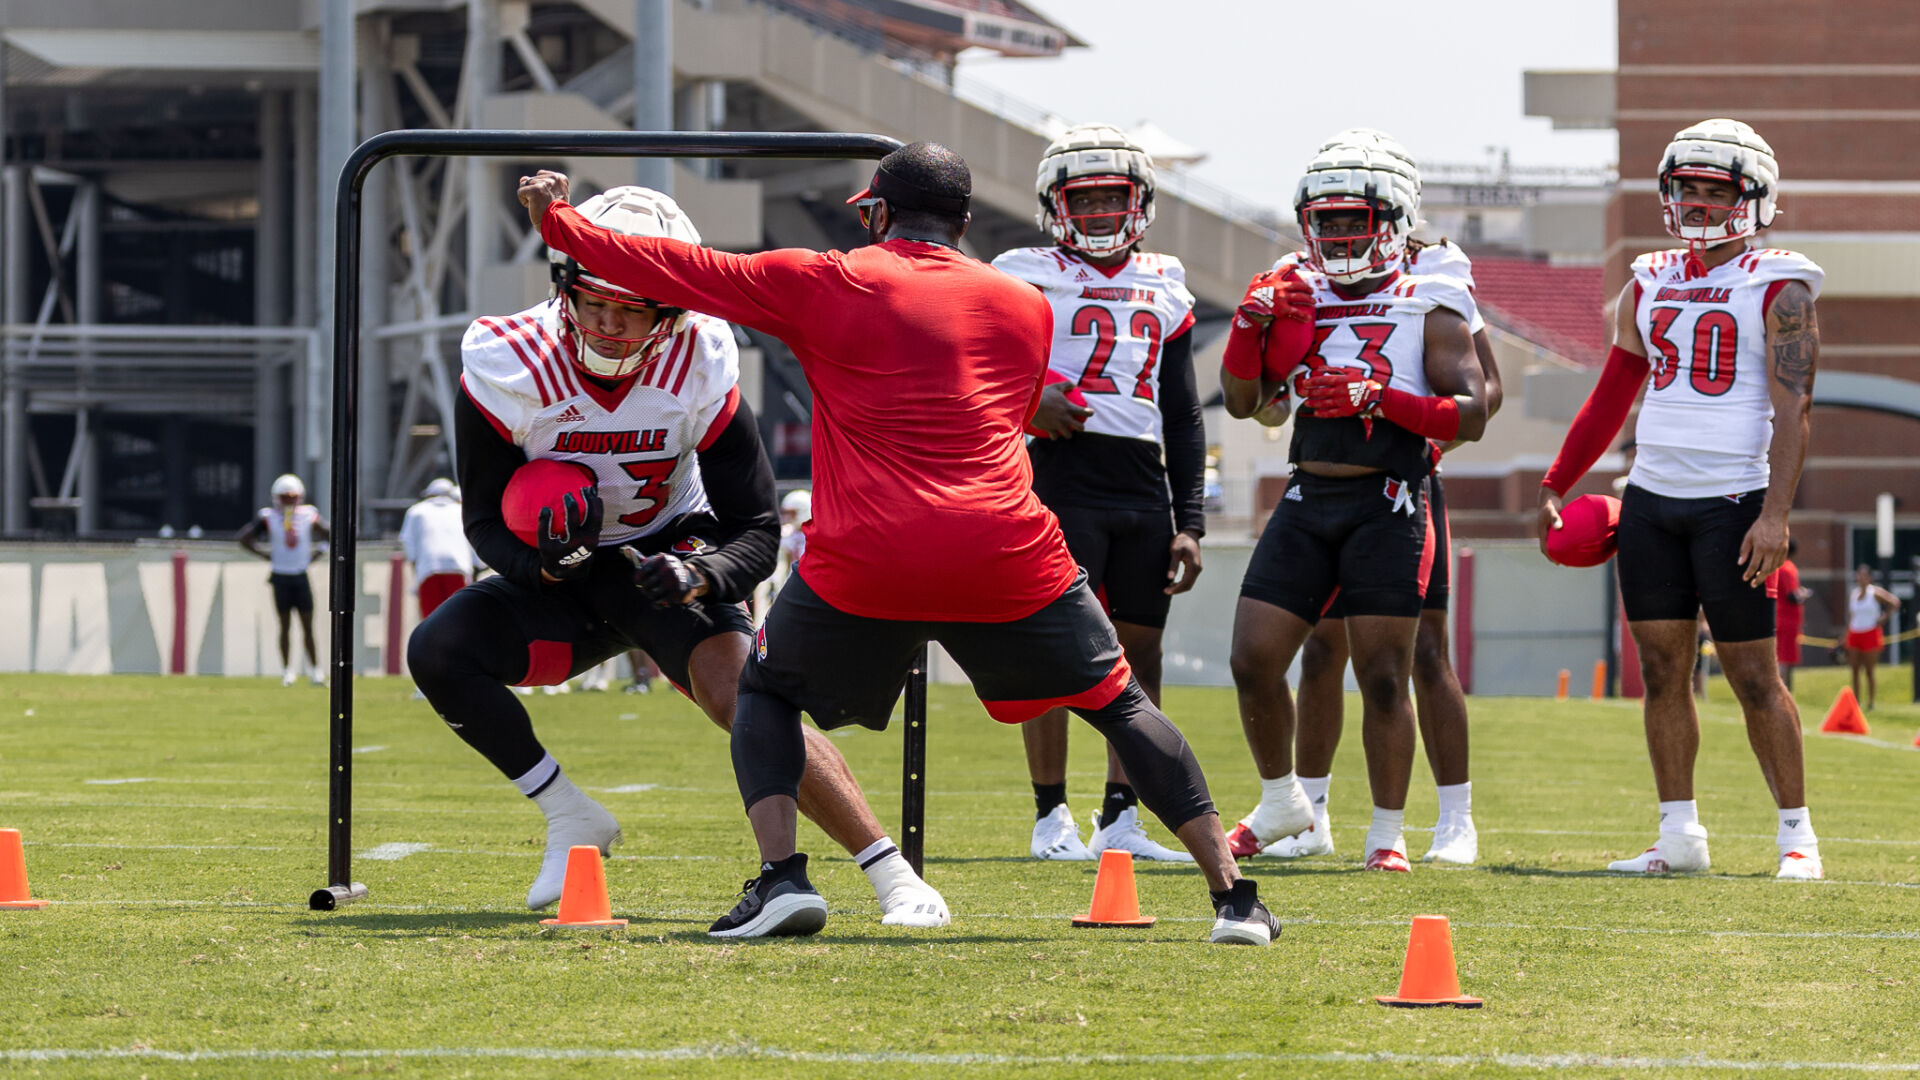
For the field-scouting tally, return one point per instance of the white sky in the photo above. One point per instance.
(1258, 84)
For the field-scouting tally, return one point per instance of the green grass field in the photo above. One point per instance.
(178, 824)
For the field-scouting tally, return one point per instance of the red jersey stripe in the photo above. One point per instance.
(491, 419)
(686, 365)
(501, 328)
(720, 422)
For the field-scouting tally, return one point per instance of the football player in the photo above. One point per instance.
(1440, 704)
(295, 533)
(1119, 394)
(1727, 331)
(1382, 365)
(656, 553)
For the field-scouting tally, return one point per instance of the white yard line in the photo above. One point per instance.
(393, 852)
(1553, 1062)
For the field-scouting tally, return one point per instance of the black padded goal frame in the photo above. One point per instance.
(341, 888)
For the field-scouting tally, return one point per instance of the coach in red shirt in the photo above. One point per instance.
(925, 365)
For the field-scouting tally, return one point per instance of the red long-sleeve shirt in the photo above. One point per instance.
(925, 366)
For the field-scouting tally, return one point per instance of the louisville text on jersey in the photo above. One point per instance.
(1117, 294)
(1694, 296)
(611, 442)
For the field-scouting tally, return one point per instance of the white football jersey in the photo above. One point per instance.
(290, 536)
(1707, 418)
(639, 440)
(1383, 332)
(435, 538)
(1108, 330)
(1443, 258)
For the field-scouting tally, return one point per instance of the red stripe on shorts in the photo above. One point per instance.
(1098, 697)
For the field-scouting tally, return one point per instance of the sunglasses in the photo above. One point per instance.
(864, 208)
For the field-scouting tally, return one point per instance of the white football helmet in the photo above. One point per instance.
(800, 502)
(1728, 151)
(440, 486)
(630, 211)
(1366, 171)
(1090, 156)
(288, 489)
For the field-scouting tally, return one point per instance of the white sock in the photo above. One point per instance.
(543, 777)
(1279, 790)
(884, 865)
(1796, 831)
(1385, 832)
(1456, 801)
(1677, 815)
(1316, 789)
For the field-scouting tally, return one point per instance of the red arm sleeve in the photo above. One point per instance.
(769, 292)
(1599, 420)
(1245, 344)
(1433, 417)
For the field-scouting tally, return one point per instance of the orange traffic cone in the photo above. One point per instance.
(1845, 718)
(1916, 740)
(1560, 689)
(14, 893)
(1428, 979)
(1114, 901)
(583, 896)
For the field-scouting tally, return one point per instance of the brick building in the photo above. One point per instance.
(1834, 87)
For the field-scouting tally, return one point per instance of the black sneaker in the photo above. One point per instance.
(1240, 917)
(778, 903)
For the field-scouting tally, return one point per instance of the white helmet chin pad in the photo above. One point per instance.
(1365, 171)
(1730, 152)
(1088, 156)
(630, 211)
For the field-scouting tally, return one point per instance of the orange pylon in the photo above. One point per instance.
(1845, 718)
(1114, 901)
(583, 896)
(1566, 680)
(1599, 679)
(1428, 978)
(14, 893)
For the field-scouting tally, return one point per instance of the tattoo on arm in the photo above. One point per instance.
(1795, 343)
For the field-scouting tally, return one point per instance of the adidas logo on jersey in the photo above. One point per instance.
(1082, 275)
(573, 415)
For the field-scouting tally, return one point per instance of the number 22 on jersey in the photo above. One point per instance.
(1098, 322)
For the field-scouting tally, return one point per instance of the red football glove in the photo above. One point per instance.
(1342, 391)
(1276, 294)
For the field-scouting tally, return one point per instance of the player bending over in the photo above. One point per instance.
(1119, 394)
(925, 366)
(671, 527)
(1727, 331)
(1439, 704)
(1381, 362)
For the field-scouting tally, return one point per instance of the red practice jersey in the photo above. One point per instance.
(925, 365)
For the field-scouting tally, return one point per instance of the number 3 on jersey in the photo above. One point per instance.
(1098, 321)
(653, 476)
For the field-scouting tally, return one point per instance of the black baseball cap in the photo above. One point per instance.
(921, 176)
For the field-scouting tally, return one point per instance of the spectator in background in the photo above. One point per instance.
(297, 534)
(1868, 606)
(1790, 613)
(435, 542)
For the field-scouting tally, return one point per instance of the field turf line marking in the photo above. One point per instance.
(393, 852)
(129, 780)
(750, 1051)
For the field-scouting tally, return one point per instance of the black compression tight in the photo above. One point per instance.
(769, 746)
(464, 657)
(1155, 755)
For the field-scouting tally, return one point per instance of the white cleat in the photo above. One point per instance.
(290, 677)
(1127, 834)
(1801, 864)
(1317, 840)
(912, 902)
(1455, 841)
(1057, 837)
(1682, 852)
(590, 824)
(1270, 822)
(318, 676)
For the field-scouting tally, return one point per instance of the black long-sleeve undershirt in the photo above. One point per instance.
(1115, 472)
(734, 468)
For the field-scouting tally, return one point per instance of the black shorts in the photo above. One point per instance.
(291, 592)
(1126, 554)
(848, 669)
(1678, 556)
(573, 626)
(1440, 572)
(1364, 539)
